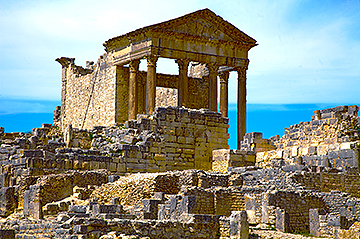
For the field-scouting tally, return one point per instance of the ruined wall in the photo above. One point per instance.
(99, 94)
(171, 138)
(297, 205)
(226, 158)
(330, 139)
(188, 138)
(327, 182)
(88, 95)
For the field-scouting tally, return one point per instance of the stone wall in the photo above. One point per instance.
(327, 182)
(88, 95)
(297, 205)
(330, 139)
(171, 139)
(226, 158)
(99, 94)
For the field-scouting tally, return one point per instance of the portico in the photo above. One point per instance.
(201, 36)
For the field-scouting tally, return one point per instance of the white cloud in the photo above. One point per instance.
(300, 58)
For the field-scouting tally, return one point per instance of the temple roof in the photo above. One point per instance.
(202, 24)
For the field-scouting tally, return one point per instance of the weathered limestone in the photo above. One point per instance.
(250, 208)
(183, 86)
(151, 83)
(239, 226)
(224, 93)
(213, 69)
(133, 89)
(329, 140)
(241, 104)
(223, 159)
(282, 220)
(8, 202)
(314, 223)
(32, 202)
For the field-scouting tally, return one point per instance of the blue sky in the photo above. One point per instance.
(308, 51)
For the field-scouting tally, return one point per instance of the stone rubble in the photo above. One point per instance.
(50, 188)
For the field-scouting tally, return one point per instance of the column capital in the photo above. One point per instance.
(241, 72)
(151, 60)
(212, 67)
(134, 65)
(183, 64)
(224, 77)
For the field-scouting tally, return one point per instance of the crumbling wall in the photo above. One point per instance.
(330, 139)
(172, 138)
(88, 94)
(327, 182)
(99, 93)
(228, 158)
(297, 205)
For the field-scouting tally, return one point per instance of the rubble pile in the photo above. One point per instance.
(53, 189)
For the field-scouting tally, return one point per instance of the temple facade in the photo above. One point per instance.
(114, 90)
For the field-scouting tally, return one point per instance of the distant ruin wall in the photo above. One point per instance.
(330, 139)
(327, 182)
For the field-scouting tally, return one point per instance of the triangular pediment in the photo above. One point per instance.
(201, 28)
(204, 23)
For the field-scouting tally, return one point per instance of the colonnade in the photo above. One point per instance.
(183, 90)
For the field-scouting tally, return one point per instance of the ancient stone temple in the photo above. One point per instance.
(114, 90)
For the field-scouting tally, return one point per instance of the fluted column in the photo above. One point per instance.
(183, 86)
(133, 89)
(151, 83)
(213, 69)
(224, 93)
(241, 104)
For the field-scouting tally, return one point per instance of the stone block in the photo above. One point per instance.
(159, 196)
(100, 209)
(30, 153)
(150, 209)
(8, 202)
(172, 207)
(250, 208)
(113, 178)
(121, 168)
(7, 234)
(77, 209)
(5, 179)
(162, 212)
(314, 222)
(333, 220)
(80, 229)
(115, 201)
(348, 153)
(188, 205)
(32, 202)
(282, 220)
(239, 226)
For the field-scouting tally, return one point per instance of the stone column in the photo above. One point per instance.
(241, 104)
(133, 89)
(212, 86)
(151, 83)
(224, 93)
(183, 88)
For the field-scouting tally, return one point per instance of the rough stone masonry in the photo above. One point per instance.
(115, 166)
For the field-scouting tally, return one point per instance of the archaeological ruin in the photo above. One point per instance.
(142, 154)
